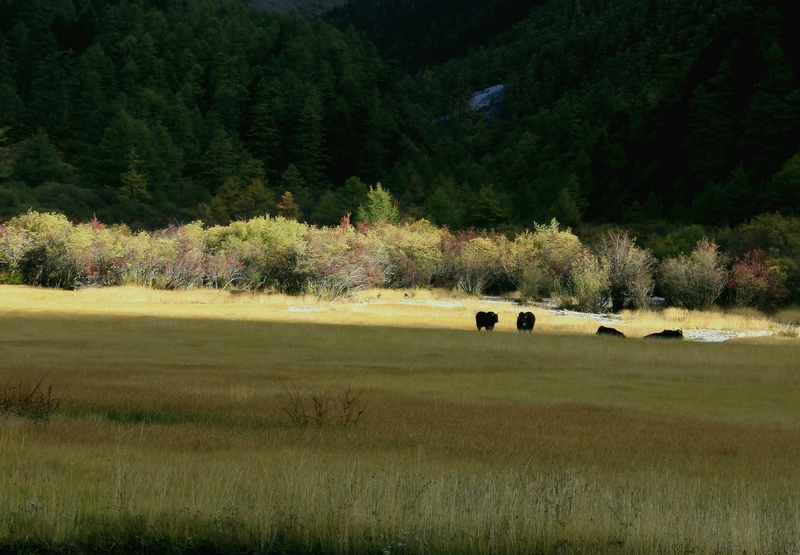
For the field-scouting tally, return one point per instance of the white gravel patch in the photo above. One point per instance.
(716, 336)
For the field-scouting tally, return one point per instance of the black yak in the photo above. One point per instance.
(602, 330)
(526, 321)
(486, 320)
(666, 334)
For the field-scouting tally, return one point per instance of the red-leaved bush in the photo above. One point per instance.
(751, 283)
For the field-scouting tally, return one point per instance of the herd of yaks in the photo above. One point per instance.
(526, 321)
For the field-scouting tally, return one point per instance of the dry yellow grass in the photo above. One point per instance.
(382, 307)
(173, 429)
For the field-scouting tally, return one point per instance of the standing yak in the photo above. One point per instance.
(486, 320)
(525, 322)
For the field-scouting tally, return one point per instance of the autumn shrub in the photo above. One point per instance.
(695, 281)
(338, 261)
(314, 407)
(523, 266)
(141, 258)
(98, 253)
(588, 284)
(40, 250)
(181, 254)
(558, 250)
(754, 283)
(629, 269)
(414, 255)
(474, 262)
(15, 243)
(778, 238)
(264, 249)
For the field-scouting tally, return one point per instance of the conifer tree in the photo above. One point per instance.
(308, 147)
(10, 103)
(134, 181)
(486, 211)
(38, 162)
(288, 208)
(379, 207)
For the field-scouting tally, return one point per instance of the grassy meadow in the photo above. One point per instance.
(205, 421)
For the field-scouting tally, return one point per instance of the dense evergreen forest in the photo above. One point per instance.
(420, 33)
(155, 111)
(151, 112)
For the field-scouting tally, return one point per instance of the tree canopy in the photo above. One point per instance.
(154, 111)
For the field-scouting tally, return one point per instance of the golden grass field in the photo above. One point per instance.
(174, 430)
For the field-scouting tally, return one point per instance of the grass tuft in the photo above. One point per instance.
(312, 406)
(29, 400)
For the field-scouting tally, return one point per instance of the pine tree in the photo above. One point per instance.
(379, 207)
(486, 211)
(307, 147)
(288, 208)
(38, 162)
(10, 103)
(134, 181)
(268, 118)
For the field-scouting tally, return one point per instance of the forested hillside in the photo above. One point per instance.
(151, 112)
(309, 9)
(154, 111)
(420, 33)
(623, 111)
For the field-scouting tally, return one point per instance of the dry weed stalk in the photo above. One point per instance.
(35, 403)
(351, 406)
(313, 406)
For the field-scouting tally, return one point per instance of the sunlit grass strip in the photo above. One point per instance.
(415, 308)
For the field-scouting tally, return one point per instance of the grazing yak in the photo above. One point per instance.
(602, 330)
(525, 321)
(666, 334)
(486, 320)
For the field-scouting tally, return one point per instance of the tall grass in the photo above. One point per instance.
(172, 433)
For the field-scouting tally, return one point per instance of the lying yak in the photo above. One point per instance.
(602, 330)
(526, 321)
(486, 320)
(666, 334)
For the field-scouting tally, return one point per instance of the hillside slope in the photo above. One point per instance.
(309, 9)
(619, 111)
(613, 111)
(419, 33)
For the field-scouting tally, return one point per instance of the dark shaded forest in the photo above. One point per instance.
(653, 115)
(418, 34)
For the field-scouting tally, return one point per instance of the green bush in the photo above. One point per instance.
(588, 284)
(414, 252)
(43, 255)
(558, 251)
(267, 250)
(476, 264)
(695, 281)
(524, 267)
(681, 241)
